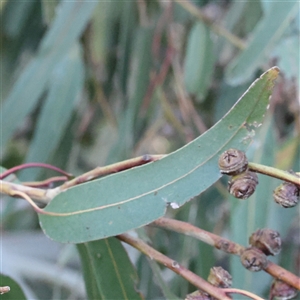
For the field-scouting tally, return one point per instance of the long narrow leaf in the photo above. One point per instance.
(67, 27)
(108, 271)
(131, 199)
(65, 86)
(265, 35)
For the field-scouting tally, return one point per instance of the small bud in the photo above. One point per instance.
(233, 162)
(198, 295)
(242, 186)
(253, 259)
(219, 277)
(267, 240)
(282, 291)
(287, 194)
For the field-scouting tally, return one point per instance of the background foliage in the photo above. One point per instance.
(91, 83)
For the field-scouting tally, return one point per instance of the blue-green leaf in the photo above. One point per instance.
(117, 203)
(264, 37)
(107, 271)
(67, 27)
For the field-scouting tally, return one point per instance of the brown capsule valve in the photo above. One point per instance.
(287, 194)
(233, 162)
(253, 259)
(282, 291)
(242, 186)
(219, 277)
(267, 240)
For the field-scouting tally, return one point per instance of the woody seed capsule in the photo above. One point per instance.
(219, 277)
(233, 162)
(242, 186)
(287, 194)
(267, 240)
(282, 291)
(253, 259)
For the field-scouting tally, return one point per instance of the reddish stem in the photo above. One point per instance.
(33, 165)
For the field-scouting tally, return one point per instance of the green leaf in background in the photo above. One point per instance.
(15, 292)
(136, 197)
(108, 272)
(65, 85)
(264, 37)
(288, 56)
(67, 27)
(199, 61)
(139, 81)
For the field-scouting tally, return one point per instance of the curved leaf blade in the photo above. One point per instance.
(130, 199)
(265, 36)
(105, 262)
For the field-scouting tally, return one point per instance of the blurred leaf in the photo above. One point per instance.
(48, 10)
(15, 292)
(65, 85)
(71, 19)
(199, 61)
(107, 270)
(15, 17)
(288, 56)
(133, 198)
(264, 37)
(287, 154)
(129, 124)
(167, 292)
(127, 36)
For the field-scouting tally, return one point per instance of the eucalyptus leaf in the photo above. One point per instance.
(199, 61)
(65, 85)
(117, 203)
(264, 37)
(67, 27)
(107, 270)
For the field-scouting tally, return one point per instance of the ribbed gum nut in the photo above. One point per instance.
(198, 295)
(233, 162)
(242, 186)
(287, 194)
(219, 277)
(254, 259)
(282, 291)
(267, 240)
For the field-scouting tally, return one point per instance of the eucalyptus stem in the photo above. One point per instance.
(40, 195)
(274, 172)
(174, 266)
(224, 245)
(195, 11)
(113, 168)
(33, 165)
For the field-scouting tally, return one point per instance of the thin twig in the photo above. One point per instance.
(276, 173)
(40, 195)
(224, 245)
(45, 183)
(195, 11)
(113, 168)
(34, 165)
(174, 266)
(244, 293)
